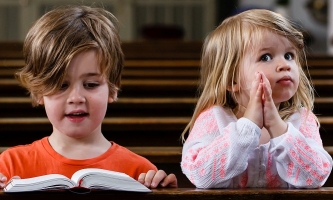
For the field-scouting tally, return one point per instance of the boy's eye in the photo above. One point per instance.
(64, 86)
(90, 85)
(289, 56)
(265, 57)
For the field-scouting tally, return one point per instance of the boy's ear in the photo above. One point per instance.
(110, 99)
(233, 88)
(113, 97)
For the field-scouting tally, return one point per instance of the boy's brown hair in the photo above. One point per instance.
(58, 36)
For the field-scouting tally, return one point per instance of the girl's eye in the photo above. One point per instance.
(90, 85)
(289, 56)
(265, 57)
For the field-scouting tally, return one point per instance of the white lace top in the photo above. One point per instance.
(223, 152)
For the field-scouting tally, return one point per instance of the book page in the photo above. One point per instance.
(107, 180)
(81, 173)
(46, 182)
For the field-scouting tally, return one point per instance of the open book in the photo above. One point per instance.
(90, 178)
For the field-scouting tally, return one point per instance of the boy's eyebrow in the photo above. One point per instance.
(90, 74)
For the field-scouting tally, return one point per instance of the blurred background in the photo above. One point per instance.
(189, 20)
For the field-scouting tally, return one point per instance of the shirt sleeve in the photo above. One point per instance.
(218, 148)
(300, 158)
(6, 166)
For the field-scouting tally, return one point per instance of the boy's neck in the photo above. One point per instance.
(79, 149)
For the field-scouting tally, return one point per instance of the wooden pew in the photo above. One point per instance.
(165, 154)
(160, 154)
(158, 87)
(323, 193)
(159, 49)
(139, 88)
(161, 68)
(161, 131)
(323, 106)
(123, 107)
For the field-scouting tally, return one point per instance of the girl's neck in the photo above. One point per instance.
(239, 111)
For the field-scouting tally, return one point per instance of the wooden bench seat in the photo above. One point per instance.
(318, 62)
(169, 49)
(324, 193)
(171, 126)
(322, 86)
(112, 121)
(139, 69)
(160, 154)
(135, 73)
(170, 157)
(160, 68)
(166, 154)
(136, 106)
(171, 73)
(179, 63)
(138, 88)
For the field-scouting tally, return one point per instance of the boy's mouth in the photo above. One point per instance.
(76, 116)
(77, 113)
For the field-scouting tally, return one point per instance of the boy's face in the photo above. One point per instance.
(275, 57)
(78, 108)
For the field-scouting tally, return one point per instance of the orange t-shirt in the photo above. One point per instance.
(39, 158)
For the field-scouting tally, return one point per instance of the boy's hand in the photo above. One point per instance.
(254, 110)
(3, 179)
(153, 179)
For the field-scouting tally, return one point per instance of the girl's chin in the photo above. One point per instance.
(282, 99)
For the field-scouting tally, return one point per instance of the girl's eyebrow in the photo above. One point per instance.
(265, 48)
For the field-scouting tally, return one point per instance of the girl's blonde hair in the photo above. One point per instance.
(58, 36)
(224, 49)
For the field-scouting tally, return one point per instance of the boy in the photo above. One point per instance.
(73, 67)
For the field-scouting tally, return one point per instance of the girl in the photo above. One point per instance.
(253, 124)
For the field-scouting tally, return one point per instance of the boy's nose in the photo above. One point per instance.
(75, 97)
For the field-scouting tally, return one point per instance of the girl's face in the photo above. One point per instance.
(275, 57)
(78, 108)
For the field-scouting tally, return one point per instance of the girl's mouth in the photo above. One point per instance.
(78, 114)
(285, 80)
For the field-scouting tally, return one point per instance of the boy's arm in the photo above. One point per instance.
(153, 179)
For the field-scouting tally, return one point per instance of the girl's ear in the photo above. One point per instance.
(233, 88)
(40, 101)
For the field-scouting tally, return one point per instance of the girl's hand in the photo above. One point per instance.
(254, 110)
(153, 179)
(272, 120)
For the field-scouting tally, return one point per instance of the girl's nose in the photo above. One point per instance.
(76, 97)
(283, 66)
